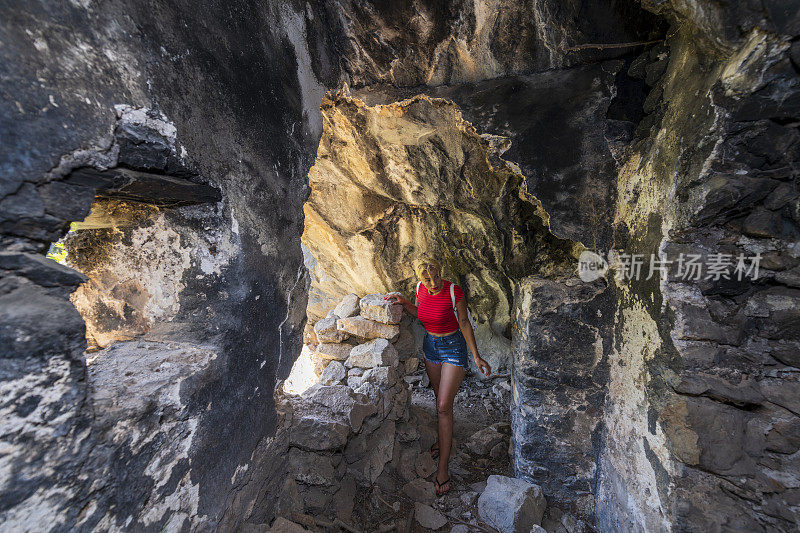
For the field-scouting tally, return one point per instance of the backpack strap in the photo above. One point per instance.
(416, 291)
(453, 298)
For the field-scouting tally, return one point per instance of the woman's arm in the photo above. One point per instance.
(397, 298)
(469, 335)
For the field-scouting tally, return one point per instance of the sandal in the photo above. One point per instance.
(439, 491)
(434, 450)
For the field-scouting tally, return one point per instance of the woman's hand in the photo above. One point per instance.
(396, 299)
(484, 367)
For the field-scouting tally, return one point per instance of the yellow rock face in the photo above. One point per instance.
(395, 181)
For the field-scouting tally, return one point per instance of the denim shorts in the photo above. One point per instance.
(448, 349)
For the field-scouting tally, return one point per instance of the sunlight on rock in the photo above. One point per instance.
(302, 375)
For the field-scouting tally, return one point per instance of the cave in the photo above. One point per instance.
(236, 186)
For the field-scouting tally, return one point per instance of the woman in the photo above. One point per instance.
(445, 348)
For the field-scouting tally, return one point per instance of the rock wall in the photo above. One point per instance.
(408, 44)
(652, 404)
(102, 100)
(394, 181)
(563, 331)
(698, 423)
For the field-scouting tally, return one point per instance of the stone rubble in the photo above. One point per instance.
(376, 307)
(429, 517)
(333, 374)
(364, 328)
(354, 437)
(347, 307)
(327, 332)
(373, 354)
(511, 505)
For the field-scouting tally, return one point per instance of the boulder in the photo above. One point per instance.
(311, 468)
(420, 490)
(371, 354)
(482, 442)
(326, 331)
(429, 517)
(511, 505)
(405, 343)
(318, 434)
(383, 376)
(281, 525)
(333, 373)
(373, 452)
(376, 307)
(425, 465)
(347, 307)
(338, 352)
(341, 400)
(367, 329)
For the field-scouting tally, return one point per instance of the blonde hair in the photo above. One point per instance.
(426, 263)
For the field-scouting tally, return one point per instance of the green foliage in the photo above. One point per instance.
(57, 252)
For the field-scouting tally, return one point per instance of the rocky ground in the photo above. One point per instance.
(357, 440)
(478, 411)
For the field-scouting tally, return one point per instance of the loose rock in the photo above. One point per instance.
(281, 525)
(341, 400)
(311, 468)
(333, 373)
(338, 352)
(511, 505)
(420, 490)
(347, 307)
(318, 434)
(364, 328)
(425, 465)
(375, 307)
(371, 354)
(429, 517)
(382, 376)
(327, 332)
(405, 343)
(481, 442)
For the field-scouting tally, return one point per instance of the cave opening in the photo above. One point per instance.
(393, 180)
(229, 210)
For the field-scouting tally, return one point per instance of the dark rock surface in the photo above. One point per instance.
(560, 377)
(211, 93)
(407, 44)
(638, 405)
(698, 377)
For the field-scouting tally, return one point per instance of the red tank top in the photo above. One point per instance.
(436, 312)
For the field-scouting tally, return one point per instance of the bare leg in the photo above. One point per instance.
(450, 380)
(434, 371)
